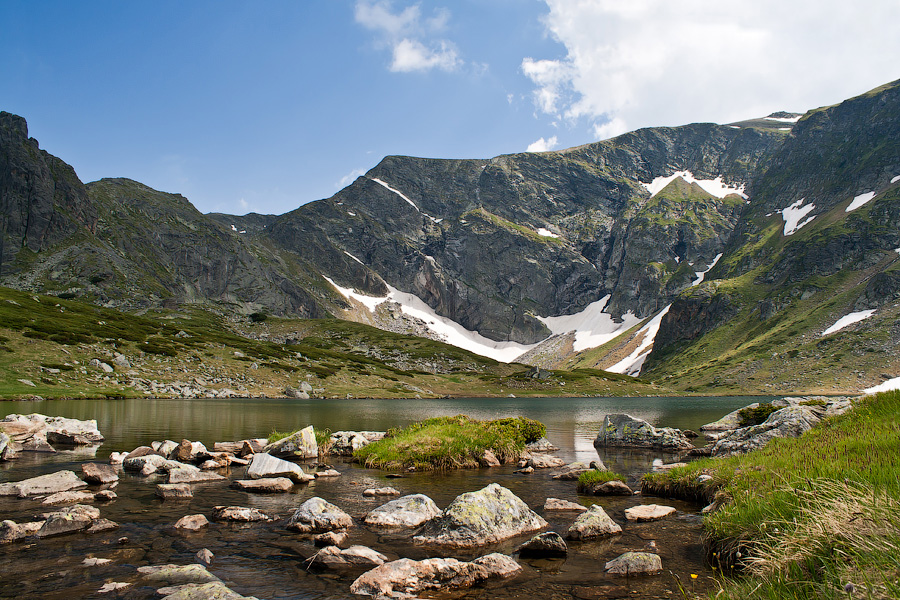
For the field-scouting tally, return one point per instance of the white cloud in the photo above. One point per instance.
(652, 62)
(542, 145)
(244, 204)
(408, 35)
(349, 178)
(413, 55)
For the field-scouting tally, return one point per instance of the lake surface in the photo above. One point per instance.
(266, 560)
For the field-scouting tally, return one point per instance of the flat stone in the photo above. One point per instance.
(594, 523)
(192, 522)
(266, 465)
(269, 485)
(101, 525)
(354, 556)
(318, 516)
(68, 498)
(408, 511)
(328, 473)
(174, 491)
(68, 520)
(239, 513)
(648, 512)
(112, 586)
(330, 538)
(564, 505)
(634, 563)
(572, 471)
(99, 473)
(384, 491)
(214, 590)
(167, 575)
(61, 481)
(183, 475)
(96, 562)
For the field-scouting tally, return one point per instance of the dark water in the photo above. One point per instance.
(267, 561)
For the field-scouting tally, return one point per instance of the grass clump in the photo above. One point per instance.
(593, 478)
(809, 517)
(756, 414)
(443, 443)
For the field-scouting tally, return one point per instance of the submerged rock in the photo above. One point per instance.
(621, 430)
(593, 524)
(408, 511)
(634, 563)
(174, 491)
(318, 516)
(544, 545)
(67, 498)
(406, 578)
(475, 519)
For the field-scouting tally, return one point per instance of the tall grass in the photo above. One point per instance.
(809, 516)
(445, 443)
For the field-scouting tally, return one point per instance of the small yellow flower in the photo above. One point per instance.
(694, 576)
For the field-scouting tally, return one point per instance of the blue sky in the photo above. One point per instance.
(264, 106)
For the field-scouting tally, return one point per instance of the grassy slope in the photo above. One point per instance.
(807, 515)
(41, 335)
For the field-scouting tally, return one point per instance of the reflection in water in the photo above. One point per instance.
(266, 560)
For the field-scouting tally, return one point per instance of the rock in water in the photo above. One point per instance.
(648, 512)
(98, 473)
(383, 491)
(634, 563)
(318, 516)
(609, 488)
(354, 556)
(268, 485)
(572, 471)
(475, 519)
(266, 465)
(239, 513)
(345, 443)
(68, 520)
(621, 430)
(405, 578)
(301, 444)
(544, 545)
(593, 524)
(192, 522)
(61, 481)
(408, 511)
(557, 504)
(174, 491)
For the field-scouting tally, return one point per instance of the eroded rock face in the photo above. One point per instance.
(594, 523)
(301, 444)
(408, 511)
(404, 578)
(318, 516)
(792, 421)
(625, 431)
(475, 519)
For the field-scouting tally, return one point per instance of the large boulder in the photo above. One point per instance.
(301, 444)
(624, 431)
(594, 523)
(475, 519)
(406, 578)
(318, 516)
(265, 465)
(792, 421)
(61, 481)
(345, 443)
(408, 511)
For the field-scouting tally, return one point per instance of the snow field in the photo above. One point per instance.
(793, 214)
(848, 320)
(714, 187)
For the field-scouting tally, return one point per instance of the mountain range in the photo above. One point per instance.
(760, 256)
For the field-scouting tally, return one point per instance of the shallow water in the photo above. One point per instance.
(267, 561)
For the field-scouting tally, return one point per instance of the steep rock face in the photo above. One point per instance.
(492, 244)
(41, 199)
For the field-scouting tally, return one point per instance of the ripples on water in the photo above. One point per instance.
(267, 561)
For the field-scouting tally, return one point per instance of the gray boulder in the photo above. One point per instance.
(545, 545)
(634, 563)
(408, 511)
(406, 578)
(301, 444)
(792, 421)
(476, 519)
(624, 431)
(266, 465)
(69, 520)
(594, 523)
(318, 516)
(61, 481)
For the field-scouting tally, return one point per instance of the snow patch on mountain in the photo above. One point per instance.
(887, 386)
(353, 257)
(592, 326)
(715, 187)
(784, 119)
(631, 364)
(848, 320)
(402, 195)
(546, 233)
(701, 274)
(793, 214)
(859, 201)
(895, 179)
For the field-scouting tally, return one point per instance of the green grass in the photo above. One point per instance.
(589, 479)
(443, 443)
(807, 515)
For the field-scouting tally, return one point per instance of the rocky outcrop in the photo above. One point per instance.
(408, 511)
(625, 431)
(406, 578)
(345, 443)
(792, 421)
(480, 518)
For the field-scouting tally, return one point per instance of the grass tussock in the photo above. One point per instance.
(810, 517)
(592, 478)
(443, 443)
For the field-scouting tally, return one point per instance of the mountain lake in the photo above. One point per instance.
(267, 561)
